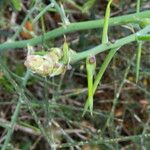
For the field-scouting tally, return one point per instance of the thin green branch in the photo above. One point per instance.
(42, 13)
(132, 18)
(25, 19)
(15, 115)
(103, 68)
(138, 6)
(61, 12)
(138, 60)
(12, 125)
(90, 68)
(104, 41)
(110, 118)
(20, 91)
(139, 49)
(106, 23)
(73, 3)
(105, 140)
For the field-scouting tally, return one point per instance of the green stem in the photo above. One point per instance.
(15, 115)
(42, 13)
(116, 98)
(138, 60)
(12, 125)
(104, 47)
(139, 49)
(104, 41)
(103, 68)
(20, 91)
(74, 4)
(144, 37)
(106, 140)
(75, 27)
(61, 12)
(106, 23)
(25, 19)
(90, 68)
(138, 6)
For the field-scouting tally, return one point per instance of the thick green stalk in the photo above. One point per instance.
(104, 47)
(75, 27)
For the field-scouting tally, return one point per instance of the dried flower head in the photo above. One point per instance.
(48, 64)
(42, 65)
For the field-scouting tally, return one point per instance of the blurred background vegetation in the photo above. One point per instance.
(54, 106)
